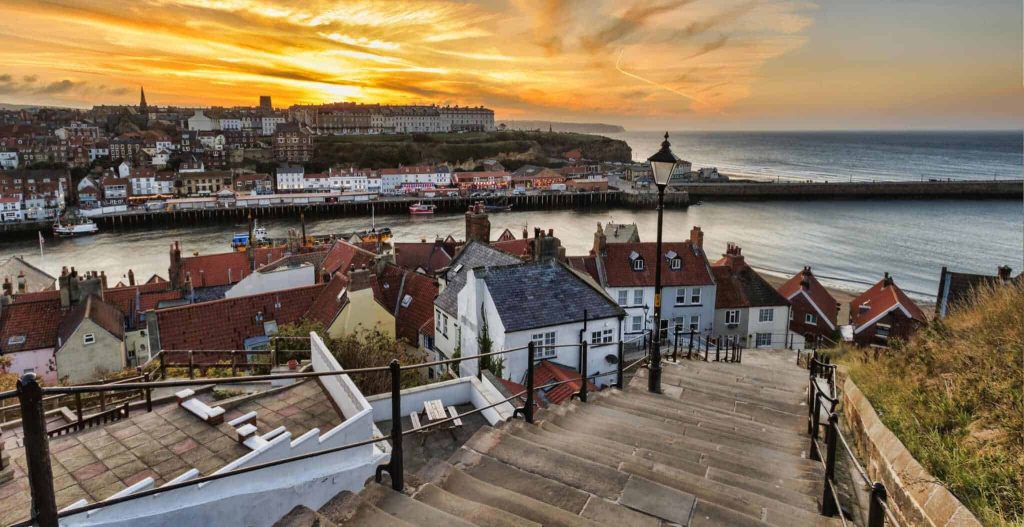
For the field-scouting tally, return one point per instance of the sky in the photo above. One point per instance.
(644, 64)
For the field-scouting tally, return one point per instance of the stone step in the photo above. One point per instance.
(350, 509)
(301, 516)
(404, 507)
(750, 375)
(707, 514)
(757, 413)
(549, 491)
(744, 389)
(719, 399)
(785, 465)
(469, 510)
(743, 501)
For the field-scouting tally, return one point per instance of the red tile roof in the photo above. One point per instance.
(35, 316)
(547, 372)
(149, 301)
(618, 264)
(881, 298)
(103, 314)
(819, 296)
(225, 324)
(344, 256)
(519, 247)
(392, 286)
(330, 301)
(585, 264)
(429, 256)
(211, 270)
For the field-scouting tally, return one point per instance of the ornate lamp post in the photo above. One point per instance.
(662, 165)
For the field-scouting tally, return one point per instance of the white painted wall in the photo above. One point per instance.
(464, 390)
(276, 280)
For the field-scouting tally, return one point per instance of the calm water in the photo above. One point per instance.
(850, 241)
(844, 156)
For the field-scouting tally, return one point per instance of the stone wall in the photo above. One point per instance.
(915, 496)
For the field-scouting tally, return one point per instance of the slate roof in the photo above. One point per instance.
(225, 324)
(621, 232)
(817, 293)
(473, 254)
(743, 288)
(542, 294)
(618, 265)
(35, 278)
(881, 298)
(429, 256)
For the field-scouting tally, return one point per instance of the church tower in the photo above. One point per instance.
(143, 107)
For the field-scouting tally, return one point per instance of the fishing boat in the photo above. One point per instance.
(240, 240)
(420, 208)
(79, 227)
(380, 234)
(498, 208)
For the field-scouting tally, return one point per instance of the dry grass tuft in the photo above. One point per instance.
(954, 394)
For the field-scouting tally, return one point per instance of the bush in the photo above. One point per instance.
(954, 395)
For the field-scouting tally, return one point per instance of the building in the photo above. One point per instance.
(292, 143)
(149, 182)
(291, 178)
(530, 177)
(956, 288)
(8, 160)
(814, 309)
(411, 178)
(543, 302)
(201, 123)
(626, 271)
(115, 190)
(206, 183)
(748, 310)
(409, 296)
(269, 124)
(89, 193)
(351, 179)
(254, 183)
(25, 277)
(10, 209)
(266, 105)
(883, 313)
(90, 341)
(482, 180)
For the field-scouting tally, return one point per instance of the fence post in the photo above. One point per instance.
(78, 409)
(163, 367)
(103, 397)
(718, 349)
(395, 470)
(529, 381)
(274, 353)
(689, 347)
(675, 347)
(618, 368)
(37, 451)
(191, 365)
(707, 348)
(828, 501)
(149, 393)
(583, 371)
(234, 364)
(876, 514)
(816, 409)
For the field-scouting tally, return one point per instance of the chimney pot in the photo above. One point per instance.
(1004, 272)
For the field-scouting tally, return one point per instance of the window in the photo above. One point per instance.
(638, 324)
(694, 322)
(732, 316)
(444, 325)
(766, 315)
(14, 340)
(695, 295)
(89, 338)
(638, 264)
(809, 318)
(601, 337)
(623, 297)
(882, 330)
(675, 264)
(437, 319)
(638, 297)
(764, 339)
(680, 296)
(544, 343)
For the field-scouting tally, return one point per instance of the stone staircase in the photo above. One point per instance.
(724, 444)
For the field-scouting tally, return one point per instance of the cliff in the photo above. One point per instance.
(583, 128)
(381, 151)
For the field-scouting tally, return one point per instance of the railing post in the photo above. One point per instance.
(816, 412)
(163, 367)
(37, 451)
(530, 348)
(675, 346)
(689, 347)
(274, 354)
(78, 409)
(583, 371)
(876, 512)
(707, 348)
(618, 368)
(103, 397)
(191, 365)
(149, 393)
(396, 468)
(828, 501)
(234, 364)
(718, 349)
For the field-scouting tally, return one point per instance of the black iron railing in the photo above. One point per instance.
(31, 395)
(821, 391)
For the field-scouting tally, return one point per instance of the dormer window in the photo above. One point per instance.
(636, 261)
(675, 263)
(406, 300)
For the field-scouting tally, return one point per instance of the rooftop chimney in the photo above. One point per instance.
(173, 271)
(131, 277)
(1003, 272)
(600, 241)
(697, 237)
(886, 280)
(734, 256)
(8, 289)
(546, 247)
(478, 226)
(22, 283)
(805, 280)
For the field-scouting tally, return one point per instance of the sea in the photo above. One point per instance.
(849, 244)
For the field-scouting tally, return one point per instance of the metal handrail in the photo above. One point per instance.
(471, 357)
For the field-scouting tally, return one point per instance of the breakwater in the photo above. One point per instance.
(999, 189)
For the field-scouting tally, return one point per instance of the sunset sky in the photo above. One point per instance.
(700, 64)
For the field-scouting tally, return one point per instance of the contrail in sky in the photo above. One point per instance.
(652, 83)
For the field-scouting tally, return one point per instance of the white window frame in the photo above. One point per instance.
(694, 322)
(637, 323)
(763, 339)
(624, 297)
(544, 345)
(810, 318)
(89, 338)
(675, 264)
(680, 296)
(600, 337)
(638, 264)
(732, 316)
(638, 297)
(766, 314)
(695, 295)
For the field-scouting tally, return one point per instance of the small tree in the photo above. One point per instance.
(485, 346)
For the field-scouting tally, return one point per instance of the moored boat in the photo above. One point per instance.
(498, 208)
(79, 227)
(420, 208)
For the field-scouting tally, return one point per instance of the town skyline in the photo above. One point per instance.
(646, 65)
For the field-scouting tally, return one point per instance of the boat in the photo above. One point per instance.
(78, 227)
(259, 239)
(498, 208)
(420, 208)
(381, 234)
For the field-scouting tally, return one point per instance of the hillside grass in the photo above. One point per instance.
(954, 395)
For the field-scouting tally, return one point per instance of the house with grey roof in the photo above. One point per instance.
(544, 302)
(451, 280)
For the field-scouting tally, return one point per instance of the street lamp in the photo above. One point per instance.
(663, 163)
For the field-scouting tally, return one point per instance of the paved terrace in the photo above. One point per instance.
(96, 463)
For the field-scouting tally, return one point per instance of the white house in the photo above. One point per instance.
(268, 124)
(748, 309)
(8, 160)
(200, 122)
(543, 302)
(348, 179)
(403, 179)
(291, 178)
(10, 209)
(626, 271)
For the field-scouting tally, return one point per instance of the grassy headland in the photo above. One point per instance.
(512, 148)
(954, 395)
